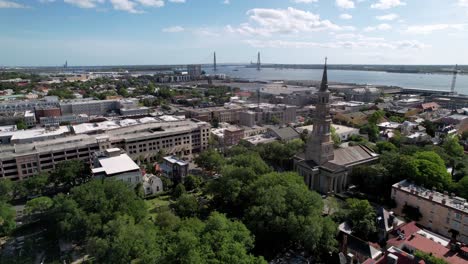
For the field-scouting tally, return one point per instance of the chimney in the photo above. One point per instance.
(392, 259)
(443, 201)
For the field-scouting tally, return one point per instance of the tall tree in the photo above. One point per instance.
(7, 218)
(218, 240)
(70, 173)
(37, 184)
(124, 241)
(96, 203)
(186, 206)
(210, 160)
(6, 190)
(362, 217)
(282, 212)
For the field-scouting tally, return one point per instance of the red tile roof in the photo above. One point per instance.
(413, 240)
(407, 229)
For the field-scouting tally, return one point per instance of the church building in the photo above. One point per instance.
(324, 168)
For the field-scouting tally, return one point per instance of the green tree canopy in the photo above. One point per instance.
(124, 241)
(361, 216)
(462, 187)
(384, 146)
(38, 205)
(186, 206)
(250, 160)
(192, 182)
(230, 191)
(335, 137)
(278, 153)
(376, 117)
(36, 184)
(179, 190)
(70, 173)
(210, 160)
(218, 240)
(283, 212)
(431, 170)
(6, 189)
(452, 146)
(7, 218)
(92, 205)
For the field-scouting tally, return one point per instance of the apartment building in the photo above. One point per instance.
(142, 141)
(228, 113)
(233, 135)
(271, 113)
(12, 118)
(194, 71)
(21, 106)
(65, 119)
(441, 212)
(90, 107)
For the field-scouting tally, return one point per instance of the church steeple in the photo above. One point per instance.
(319, 145)
(324, 83)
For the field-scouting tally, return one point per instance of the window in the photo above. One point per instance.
(458, 216)
(129, 179)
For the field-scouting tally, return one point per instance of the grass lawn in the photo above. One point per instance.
(158, 204)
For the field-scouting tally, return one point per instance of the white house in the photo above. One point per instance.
(115, 164)
(152, 184)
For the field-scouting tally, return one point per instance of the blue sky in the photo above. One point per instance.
(116, 32)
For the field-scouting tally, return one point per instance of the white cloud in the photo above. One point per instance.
(428, 29)
(387, 4)
(346, 16)
(128, 6)
(152, 3)
(226, 2)
(388, 17)
(10, 4)
(177, 1)
(84, 3)
(46, 1)
(304, 1)
(463, 3)
(205, 32)
(265, 22)
(352, 44)
(380, 27)
(173, 29)
(346, 4)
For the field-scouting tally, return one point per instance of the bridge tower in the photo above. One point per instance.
(214, 62)
(259, 65)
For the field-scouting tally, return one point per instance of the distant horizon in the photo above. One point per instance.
(222, 64)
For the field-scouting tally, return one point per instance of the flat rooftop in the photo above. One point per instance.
(451, 201)
(82, 140)
(34, 133)
(175, 160)
(116, 165)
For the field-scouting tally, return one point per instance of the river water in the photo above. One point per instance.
(437, 82)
